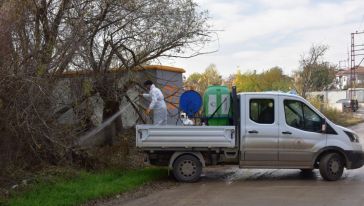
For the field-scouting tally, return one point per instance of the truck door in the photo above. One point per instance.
(300, 133)
(260, 142)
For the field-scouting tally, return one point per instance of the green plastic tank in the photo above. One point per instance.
(217, 99)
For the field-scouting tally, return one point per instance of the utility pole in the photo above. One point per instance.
(357, 51)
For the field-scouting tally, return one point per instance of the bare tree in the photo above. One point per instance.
(41, 39)
(130, 34)
(314, 74)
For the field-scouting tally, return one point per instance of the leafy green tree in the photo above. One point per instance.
(275, 80)
(193, 81)
(200, 81)
(246, 82)
(212, 76)
(271, 80)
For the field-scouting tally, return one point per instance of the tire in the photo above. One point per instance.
(331, 166)
(187, 168)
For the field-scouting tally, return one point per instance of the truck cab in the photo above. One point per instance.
(270, 130)
(285, 131)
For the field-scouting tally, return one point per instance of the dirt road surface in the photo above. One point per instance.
(233, 186)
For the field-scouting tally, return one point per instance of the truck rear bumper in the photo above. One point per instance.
(355, 159)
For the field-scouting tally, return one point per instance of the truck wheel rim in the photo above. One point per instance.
(334, 166)
(187, 168)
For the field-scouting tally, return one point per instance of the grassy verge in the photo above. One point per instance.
(342, 118)
(84, 187)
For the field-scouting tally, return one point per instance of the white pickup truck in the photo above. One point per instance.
(269, 130)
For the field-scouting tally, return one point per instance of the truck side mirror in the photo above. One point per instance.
(323, 126)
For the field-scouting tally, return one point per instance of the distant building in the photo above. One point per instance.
(342, 80)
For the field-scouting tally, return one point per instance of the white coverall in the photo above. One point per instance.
(158, 105)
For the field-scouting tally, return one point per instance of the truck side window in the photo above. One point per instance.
(262, 111)
(300, 116)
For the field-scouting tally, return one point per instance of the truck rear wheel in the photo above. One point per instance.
(187, 168)
(331, 166)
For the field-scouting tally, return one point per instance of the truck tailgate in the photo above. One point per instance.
(153, 136)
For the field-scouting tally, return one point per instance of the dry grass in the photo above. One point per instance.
(341, 118)
(336, 116)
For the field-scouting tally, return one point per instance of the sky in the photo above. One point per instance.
(260, 34)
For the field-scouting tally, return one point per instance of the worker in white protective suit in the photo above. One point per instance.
(157, 104)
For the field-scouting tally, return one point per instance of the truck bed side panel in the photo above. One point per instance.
(185, 136)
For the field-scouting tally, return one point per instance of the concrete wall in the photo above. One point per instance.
(359, 92)
(331, 97)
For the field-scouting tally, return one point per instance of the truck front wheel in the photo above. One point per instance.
(187, 168)
(331, 166)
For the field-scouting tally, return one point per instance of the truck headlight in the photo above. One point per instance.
(353, 137)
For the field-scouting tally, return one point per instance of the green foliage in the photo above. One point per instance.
(194, 80)
(246, 82)
(200, 81)
(324, 76)
(271, 80)
(85, 187)
(212, 75)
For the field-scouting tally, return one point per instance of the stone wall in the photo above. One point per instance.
(74, 100)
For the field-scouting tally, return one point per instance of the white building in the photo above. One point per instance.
(342, 80)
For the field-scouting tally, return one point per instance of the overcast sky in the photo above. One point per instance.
(260, 34)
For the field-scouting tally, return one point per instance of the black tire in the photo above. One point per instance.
(187, 168)
(331, 166)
